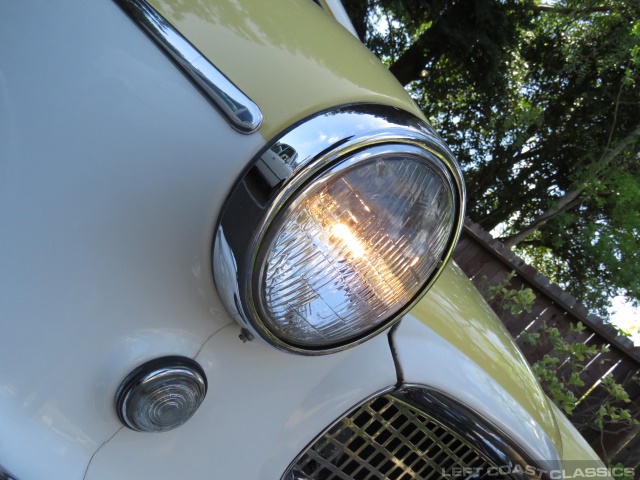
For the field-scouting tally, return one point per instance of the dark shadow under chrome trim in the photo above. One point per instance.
(500, 458)
(478, 432)
(4, 475)
(241, 113)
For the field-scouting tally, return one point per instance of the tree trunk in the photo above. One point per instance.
(410, 65)
(564, 203)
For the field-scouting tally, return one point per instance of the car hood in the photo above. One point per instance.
(455, 310)
(290, 57)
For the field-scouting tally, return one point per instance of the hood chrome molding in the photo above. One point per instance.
(238, 109)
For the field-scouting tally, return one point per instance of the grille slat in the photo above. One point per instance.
(386, 438)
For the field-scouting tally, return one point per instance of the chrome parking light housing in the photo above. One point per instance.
(161, 394)
(337, 228)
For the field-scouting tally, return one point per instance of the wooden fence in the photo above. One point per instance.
(488, 262)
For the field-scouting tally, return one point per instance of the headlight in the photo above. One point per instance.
(338, 228)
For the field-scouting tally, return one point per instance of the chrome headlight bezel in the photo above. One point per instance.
(267, 186)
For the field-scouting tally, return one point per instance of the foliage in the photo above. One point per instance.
(510, 299)
(619, 471)
(560, 371)
(541, 105)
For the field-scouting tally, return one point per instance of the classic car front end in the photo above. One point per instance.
(225, 254)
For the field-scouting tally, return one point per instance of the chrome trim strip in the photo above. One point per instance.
(337, 11)
(460, 423)
(479, 430)
(241, 113)
(287, 164)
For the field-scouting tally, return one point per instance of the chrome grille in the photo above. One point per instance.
(388, 437)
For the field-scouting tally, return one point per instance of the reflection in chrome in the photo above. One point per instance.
(412, 433)
(324, 147)
(4, 475)
(235, 106)
(161, 394)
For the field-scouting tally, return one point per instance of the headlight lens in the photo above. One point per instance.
(337, 229)
(355, 246)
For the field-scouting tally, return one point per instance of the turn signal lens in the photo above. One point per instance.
(355, 246)
(161, 395)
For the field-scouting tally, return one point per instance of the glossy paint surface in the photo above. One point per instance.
(262, 408)
(240, 111)
(337, 11)
(288, 56)
(577, 454)
(112, 172)
(456, 311)
(428, 360)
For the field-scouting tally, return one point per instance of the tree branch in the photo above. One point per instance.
(615, 120)
(570, 199)
(568, 11)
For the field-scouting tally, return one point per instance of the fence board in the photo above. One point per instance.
(629, 455)
(614, 440)
(478, 254)
(518, 324)
(595, 368)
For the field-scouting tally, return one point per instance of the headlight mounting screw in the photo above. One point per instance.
(245, 335)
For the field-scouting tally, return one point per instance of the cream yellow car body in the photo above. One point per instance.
(103, 276)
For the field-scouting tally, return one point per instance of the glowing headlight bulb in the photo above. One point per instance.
(355, 246)
(343, 233)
